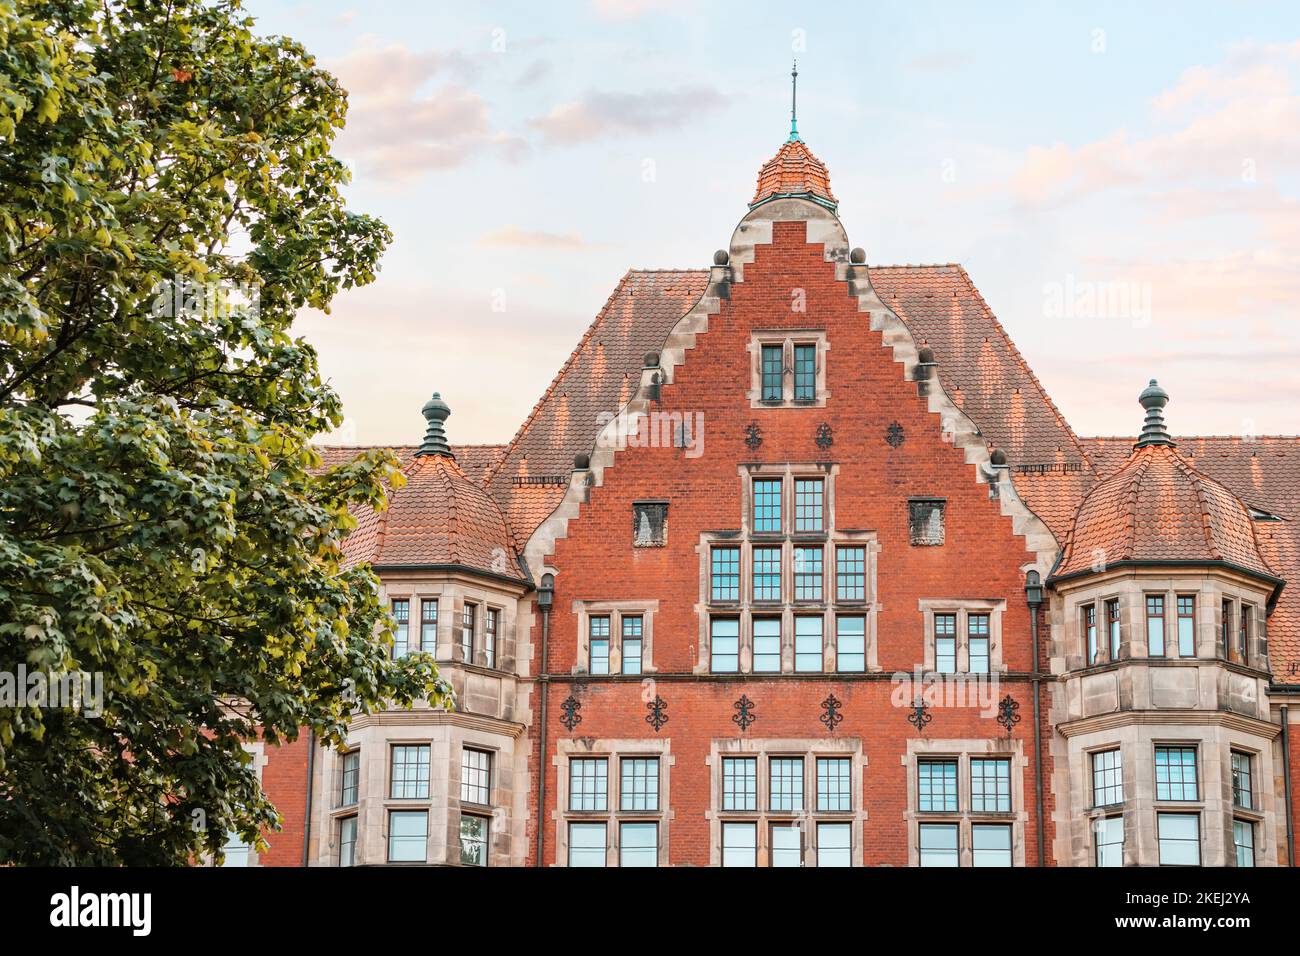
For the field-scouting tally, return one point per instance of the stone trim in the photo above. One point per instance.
(963, 608)
(787, 339)
(615, 611)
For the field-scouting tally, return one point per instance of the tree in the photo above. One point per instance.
(168, 201)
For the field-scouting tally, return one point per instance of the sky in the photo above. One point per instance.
(1121, 181)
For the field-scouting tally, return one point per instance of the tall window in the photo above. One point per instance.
(1107, 778)
(724, 584)
(1225, 628)
(834, 844)
(1155, 625)
(638, 844)
(632, 644)
(739, 844)
(990, 844)
(408, 836)
(588, 783)
(429, 625)
(586, 844)
(1113, 626)
(808, 644)
(467, 622)
(977, 642)
(767, 505)
(1176, 773)
(834, 784)
(598, 631)
(937, 786)
(350, 779)
(1108, 834)
(402, 633)
(990, 785)
(1179, 836)
(1186, 625)
(473, 840)
(491, 623)
(739, 783)
(1089, 624)
(785, 784)
(850, 574)
(809, 494)
(805, 373)
(850, 644)
(348, 841)
(1243, 634)
(807, 574)
(772, 373)
(1242, 791)
(767, 645)
(639, 789)
(938, 844)
(724, 645)
(1243, 839)
(767, 574)
(475, 776)
(410, 772)
(945, 643)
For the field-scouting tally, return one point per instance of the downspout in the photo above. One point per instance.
(1038, 738)
(1286, 788)
(545, 594)
(311, 770)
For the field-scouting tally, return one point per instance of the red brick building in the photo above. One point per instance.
(780, 571)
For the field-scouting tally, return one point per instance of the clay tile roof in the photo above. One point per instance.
(794, 171)
(1157, 507)
(439, 517)
(474, 460)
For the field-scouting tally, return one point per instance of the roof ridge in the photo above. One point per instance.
(1198, 481)
(1130, 511)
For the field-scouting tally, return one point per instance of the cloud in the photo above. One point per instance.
(940, 61)
(608, 114)
(535, 72)
(631, 9)
(524, 238)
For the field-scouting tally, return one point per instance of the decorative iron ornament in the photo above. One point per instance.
(831, 715)
(920, 715)
(824, 437)
(744, 715)
(571, 718)
(894, 435)
(1007, 715)
(658, 715)
(753, 436)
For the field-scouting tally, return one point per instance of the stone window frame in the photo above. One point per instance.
(787, 339)
(612, 750)
(1198, 768)
(452, 595)
(461, 808)
(584, 611)
(963, 750)
(963, 608)
(746, 609)
(809, 749)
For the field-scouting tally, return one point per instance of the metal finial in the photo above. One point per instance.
(794, 99)
(435, 436)
(1154, 399)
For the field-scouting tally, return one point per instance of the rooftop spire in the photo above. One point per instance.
(794, 96)
(1154, 399)
(435, 436)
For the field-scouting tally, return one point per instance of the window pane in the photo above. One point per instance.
(850, 574)
(586, 844)
(945, 643)
(767, 645)
(1242, 790)
(638, 844)
(937, 786)
(631, 645)
(492, 621)
(588, 783)
(408, 832)
(807, 644)
(805, 373)
(351, 778)
(938, 844)
(767, 574)
(1243, 838)
(348, 841)
(1107, 779)
(1109, 834)
(834, 844)
(1155, 625)
(1180, 839)
(473, 840)
(990, 845)
(786, 848)
(990, 781)
(1186, 626)
(1092, 650)
(639, 788)
(401, 634)
(808, 499)
(977, 642)
(725, 578)
(724, 645)
(785, 783)
(739, 844)
(739, 783)
(834, 791)
(772, 376)
(467, 618)
(599, 644)
(410, 773)
(851, 644)
(1176, 773)
(475, 776)
(1112, 622)
(767, 504)
(807, 574)
(429, 625)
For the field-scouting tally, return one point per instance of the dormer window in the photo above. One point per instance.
(788, 368)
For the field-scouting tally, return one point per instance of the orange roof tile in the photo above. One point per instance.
(794, 171)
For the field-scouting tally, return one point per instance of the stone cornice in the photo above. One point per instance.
(438, 718)
(1185, 718)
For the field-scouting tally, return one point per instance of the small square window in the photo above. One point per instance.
(408, 836)
(410, 772)
(649, 524)
(740, 844)
(638, 844)
(990, 785)
(588, 783)
(1176, 773)
(925, 521)
(990, 844)
(1179, 838)
(639, 786)
(938, 844)
(937, 786)
(586, 844)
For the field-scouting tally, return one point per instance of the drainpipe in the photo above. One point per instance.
(545, 596)
(311, 768)
(1286, 786)
(1034, 598)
